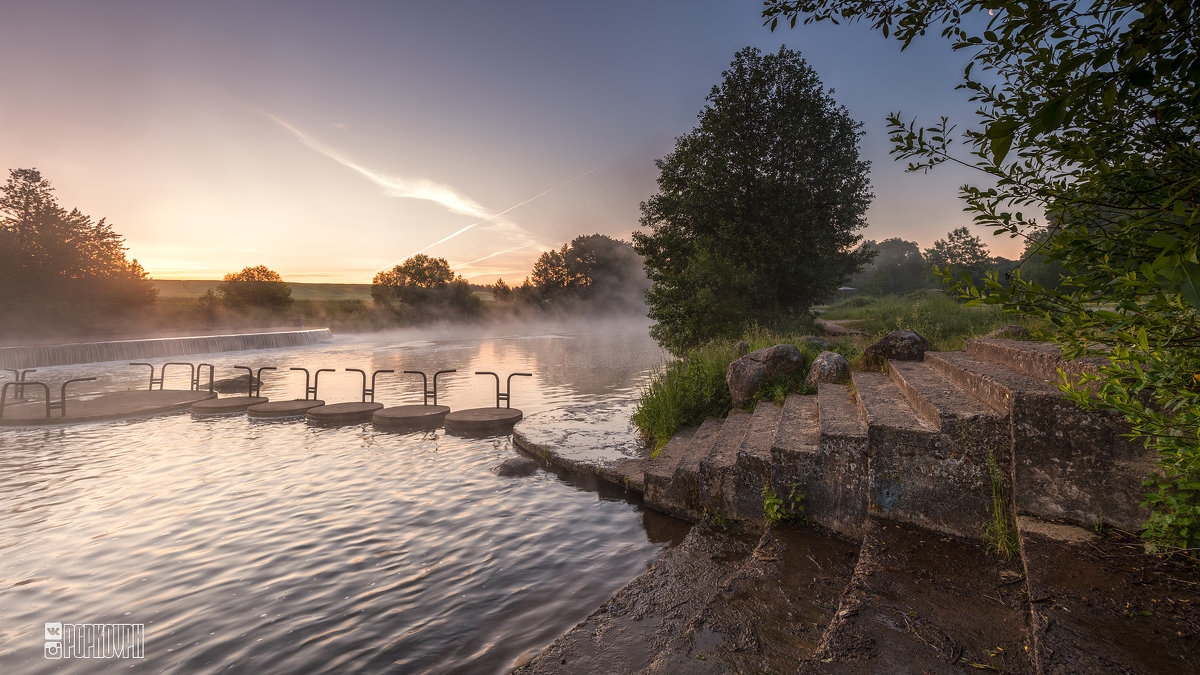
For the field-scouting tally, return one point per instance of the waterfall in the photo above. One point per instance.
(121, 350)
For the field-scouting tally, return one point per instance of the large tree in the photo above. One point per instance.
(257, 286)
(423, 288)
(57, 265)
(757, 207)
(597, 269)
(1089, 112)
(960, 253)
(898, 268)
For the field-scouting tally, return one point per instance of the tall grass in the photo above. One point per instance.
(681, 393)
(940, 317)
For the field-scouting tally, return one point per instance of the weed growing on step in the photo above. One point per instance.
(777, 509)
(999, 532)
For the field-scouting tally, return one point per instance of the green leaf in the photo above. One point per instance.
(1000, 148)
(1002, 128)
(1190, 290)
(1053, 113)
(1162, 240)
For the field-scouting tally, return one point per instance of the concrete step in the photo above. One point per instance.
(626, 633)
(660, 470)
(721, 459)
(833, 477)
(1100, 604)
(682, 496)
(1067, 463)
(920, 602)
(752, 472)
(800, 427)
(883, 406)
(938, 401)
(996, 385)
(770, 613)
(919, 475)
(1039, 360)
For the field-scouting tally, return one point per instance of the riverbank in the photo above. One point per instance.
(914, 467)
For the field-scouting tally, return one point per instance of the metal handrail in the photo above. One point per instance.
(365, 391)
(506, 395)
(153, 380)
(19, 394)
(425, 383)
(310, 393)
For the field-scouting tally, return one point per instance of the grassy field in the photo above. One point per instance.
(171, 288)
(941, 318)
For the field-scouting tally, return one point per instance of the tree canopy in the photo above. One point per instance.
(1088, 112)
(897, 268)
(960, 253)
(422, 287)
(56, 263)
(255, 287)
(757, 207)
(595, 269)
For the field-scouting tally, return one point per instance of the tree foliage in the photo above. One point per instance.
(960, 253)
(1087, 112)
(423, 288)
(757, 206)
(898, 268)
(56, 263)
(254, 287)
(596, 269)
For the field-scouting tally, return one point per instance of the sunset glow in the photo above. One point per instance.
(328, 143)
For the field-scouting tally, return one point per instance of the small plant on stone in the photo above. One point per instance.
(777, 509)
(998, 532)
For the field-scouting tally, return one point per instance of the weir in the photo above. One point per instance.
(120, 350)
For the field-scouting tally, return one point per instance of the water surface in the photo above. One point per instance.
(282, 547)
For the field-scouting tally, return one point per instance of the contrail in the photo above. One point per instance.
(427, 190)
(397, 187)
(490, 219)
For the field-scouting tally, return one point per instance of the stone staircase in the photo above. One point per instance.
(925, 443)
(901, 471)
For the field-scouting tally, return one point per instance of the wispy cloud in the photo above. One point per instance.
(448, 197)
(408, 188)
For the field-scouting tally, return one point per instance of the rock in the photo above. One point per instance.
(515, 467)
(818, 342)
(1011, 331)
(899, 345)
(829, 367)
(233, 385)
(748, 374)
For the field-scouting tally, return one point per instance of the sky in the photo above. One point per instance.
(328, 140)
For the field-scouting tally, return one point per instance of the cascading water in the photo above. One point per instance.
(117, 350)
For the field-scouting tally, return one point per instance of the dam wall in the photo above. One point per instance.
(35, 356)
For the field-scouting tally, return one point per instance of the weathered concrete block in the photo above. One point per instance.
(752, 471)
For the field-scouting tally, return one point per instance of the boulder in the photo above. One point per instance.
(829, 367)
(233, 385)
(515, 467)
(748, 374)
(898, 345)
(818, 342)
(1012, 331)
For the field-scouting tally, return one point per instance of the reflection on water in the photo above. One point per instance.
(280, 547)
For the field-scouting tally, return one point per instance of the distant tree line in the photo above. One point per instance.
(900, 267)
(59, 266)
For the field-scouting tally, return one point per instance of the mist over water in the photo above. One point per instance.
(280, 547)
